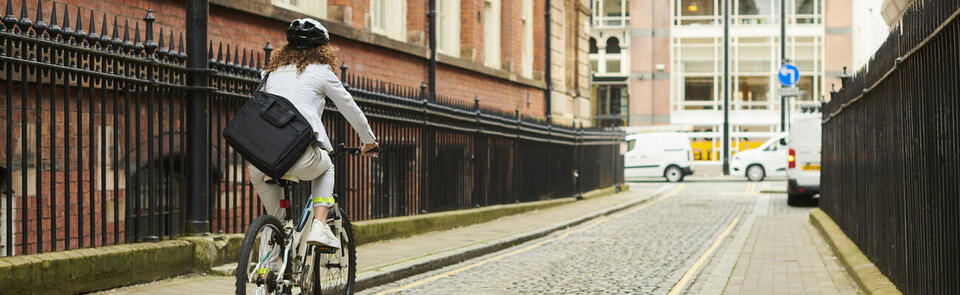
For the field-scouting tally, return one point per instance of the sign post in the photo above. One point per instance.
(789, 75)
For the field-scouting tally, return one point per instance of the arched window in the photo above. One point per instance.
(613, 45)
(593, 45)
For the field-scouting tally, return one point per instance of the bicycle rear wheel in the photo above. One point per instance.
(336, 272)
(255, 257)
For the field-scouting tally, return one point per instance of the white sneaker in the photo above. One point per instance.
(321, 235)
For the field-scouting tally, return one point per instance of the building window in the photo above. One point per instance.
(448, 28)
(698, 93)
(697, 55)
(491, 33)
(608, 60)
(806, 53)
(613, 46)
(754, 11)
(388, 18)
(611, 13)
(527, 57)
(753, 92)
(612, 105)
(755, 55)
(613, 55)
(315, 8)
(697, 12)
(806, 11)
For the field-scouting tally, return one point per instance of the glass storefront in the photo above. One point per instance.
(612, 106)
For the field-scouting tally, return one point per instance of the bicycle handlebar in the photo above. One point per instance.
(341, 148)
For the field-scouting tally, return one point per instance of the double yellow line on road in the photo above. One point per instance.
(595, 223)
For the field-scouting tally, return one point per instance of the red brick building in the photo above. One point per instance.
(506, 74)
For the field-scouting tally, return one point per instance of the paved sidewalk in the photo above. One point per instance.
(375, 257)
(784, 254)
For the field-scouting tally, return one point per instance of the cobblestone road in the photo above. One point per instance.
(645, 250)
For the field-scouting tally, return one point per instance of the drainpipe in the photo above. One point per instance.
(432, 17)
(546, 72)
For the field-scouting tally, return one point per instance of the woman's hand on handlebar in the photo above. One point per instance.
(370, 150)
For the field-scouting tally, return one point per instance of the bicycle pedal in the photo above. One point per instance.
(326, 250)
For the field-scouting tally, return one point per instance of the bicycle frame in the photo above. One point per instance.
(294, 242)
(293, 238)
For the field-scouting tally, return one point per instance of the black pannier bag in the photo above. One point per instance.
(269, 132)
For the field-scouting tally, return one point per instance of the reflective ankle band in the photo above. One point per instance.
(323, 200)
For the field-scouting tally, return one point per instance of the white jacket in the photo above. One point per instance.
(307, 91)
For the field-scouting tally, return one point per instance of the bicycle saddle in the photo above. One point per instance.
(285, 180)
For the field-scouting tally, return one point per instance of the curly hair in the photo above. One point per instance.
(286, 55)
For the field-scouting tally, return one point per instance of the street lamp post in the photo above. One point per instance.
(783, 61)
(197, 142)
(726, 87)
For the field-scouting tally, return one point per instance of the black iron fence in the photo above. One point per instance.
(93, 139)
(891, 148)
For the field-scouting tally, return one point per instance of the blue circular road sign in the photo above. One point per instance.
(789, 75)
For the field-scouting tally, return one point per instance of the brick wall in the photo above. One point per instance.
(471, 30)
(251, 31)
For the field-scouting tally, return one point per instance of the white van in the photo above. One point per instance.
(803, 159)
(769, 159)
(667, 155)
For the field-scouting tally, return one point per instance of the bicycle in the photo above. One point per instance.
(301, 266)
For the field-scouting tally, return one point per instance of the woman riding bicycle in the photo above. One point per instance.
(302, 72)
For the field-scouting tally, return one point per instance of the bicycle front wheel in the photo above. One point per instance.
(335, 273)
(259, 258)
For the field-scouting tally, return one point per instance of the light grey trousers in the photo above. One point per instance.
(315, 166)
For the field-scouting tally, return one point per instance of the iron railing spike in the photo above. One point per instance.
(161, 52)
(79, 32)
(246, 66)
(243, 62)
(227, 62)
(25, 22)
(236, 58)
(137, 45)
(259, 66)
(93, 28)
(180, 53)
(67, 31)
(104, 31)
(53, 14)
(126, 33)
(149, 45)
(39, 26)
(9, 20)
(116, 41)
(210, 59)
(66, 17)
(219, 53)
(267, 50)
(170, 48)
(54, 29)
